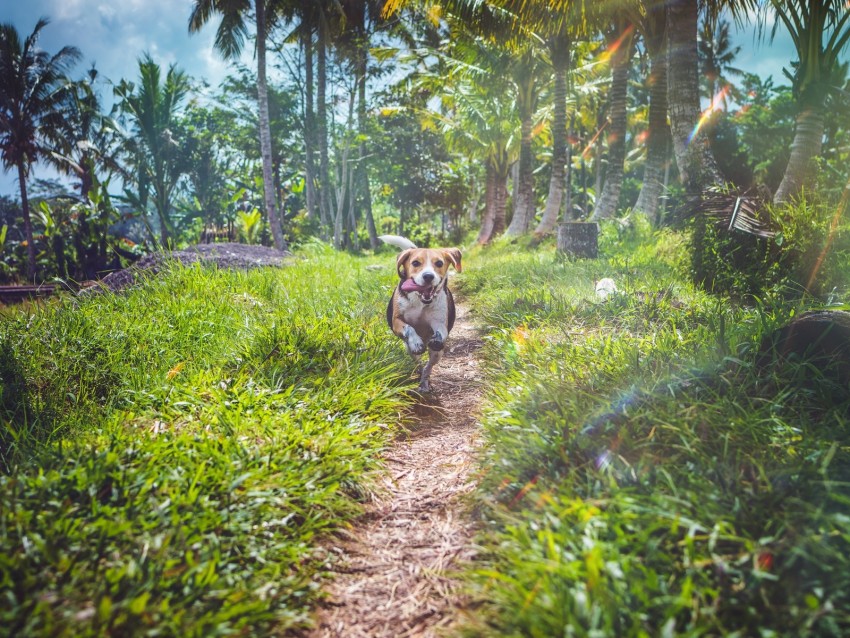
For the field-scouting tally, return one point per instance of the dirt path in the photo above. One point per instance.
(395, 577)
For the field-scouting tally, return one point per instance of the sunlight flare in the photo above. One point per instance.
(606, 55)
(833, 230)
(716, 105)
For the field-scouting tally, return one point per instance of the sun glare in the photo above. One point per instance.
(716, 105)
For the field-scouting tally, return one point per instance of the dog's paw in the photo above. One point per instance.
(436, 342)
(415, 345)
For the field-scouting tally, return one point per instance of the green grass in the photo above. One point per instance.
(171, 455)
(641, 476)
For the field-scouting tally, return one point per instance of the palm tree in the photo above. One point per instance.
(652, 27)
(494, 30)
(697, 166)
(32, 89)
(230, 38)
(308, 18)
(359, 20)
(84, 145)
(560, 55)
(82, 138)
(152, 109)
(820, 30)
(524, 71)
(562, 27)
(478, 119)
(716, 54)
(620, 49)
(322, 117)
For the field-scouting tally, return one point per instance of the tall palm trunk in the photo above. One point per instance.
(560, 55)
(265, 128)
(501, 202)
(807, 145)
(25, 209)
(362, 167)
(322, 116)
(489, 206)
(496, 196)
(656, 144)
(697, 166)
(606, 205)
(309, 118)
(524, 197)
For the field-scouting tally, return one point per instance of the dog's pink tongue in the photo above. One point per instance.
(411, 286)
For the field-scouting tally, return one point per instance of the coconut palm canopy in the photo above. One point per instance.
(277, 120)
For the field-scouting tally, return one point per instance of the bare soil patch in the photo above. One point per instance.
(397, 564)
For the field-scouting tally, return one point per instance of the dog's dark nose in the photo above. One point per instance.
(428, 277)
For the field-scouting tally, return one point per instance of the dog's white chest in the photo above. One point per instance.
(424, 317)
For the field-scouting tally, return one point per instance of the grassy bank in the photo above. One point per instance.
(641, 477)
(171, 454)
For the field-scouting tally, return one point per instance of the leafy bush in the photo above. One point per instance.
(807, 255)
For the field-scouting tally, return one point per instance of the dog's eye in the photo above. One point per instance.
(416, 263)
(439, 263)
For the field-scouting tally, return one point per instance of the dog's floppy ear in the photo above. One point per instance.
(453, 255)
(401, 262)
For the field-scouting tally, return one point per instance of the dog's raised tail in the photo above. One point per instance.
(396, 240)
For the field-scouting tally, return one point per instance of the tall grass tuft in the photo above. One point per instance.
(172, 455)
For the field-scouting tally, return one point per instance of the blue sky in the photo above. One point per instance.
(113, 34)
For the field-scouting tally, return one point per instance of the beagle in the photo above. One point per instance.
(422, 310)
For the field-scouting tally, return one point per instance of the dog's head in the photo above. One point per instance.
(427, 268)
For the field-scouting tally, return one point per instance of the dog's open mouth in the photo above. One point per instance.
(426, 293)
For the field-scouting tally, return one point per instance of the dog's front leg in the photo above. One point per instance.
(438, 338)
(414, 343)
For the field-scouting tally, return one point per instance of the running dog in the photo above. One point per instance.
(422, 310)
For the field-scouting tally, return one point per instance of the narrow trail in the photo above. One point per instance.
(396, 564)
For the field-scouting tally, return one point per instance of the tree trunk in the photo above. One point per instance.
(362, 122)
(656, 144)
(472, 211)
(164, 234)
(25, 210)
(524, 195)
(807, 145)
(489, 206)
(597, 160)
(339, 216)
(583, 174)
(697, 167)
(606, 205)
(265, 129)
(322, 128)
(500, 201)
(309, 118)
(560, 54)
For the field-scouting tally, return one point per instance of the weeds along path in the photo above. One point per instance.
(396, 564)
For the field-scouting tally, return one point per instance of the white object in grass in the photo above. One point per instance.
(604, 288)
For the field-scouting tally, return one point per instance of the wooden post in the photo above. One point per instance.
(578, 239)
